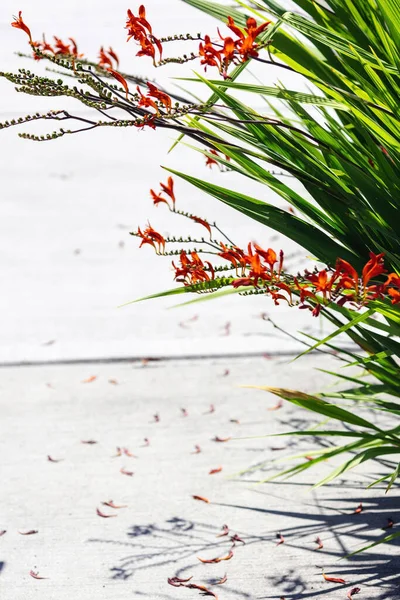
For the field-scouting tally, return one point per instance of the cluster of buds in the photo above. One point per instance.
(256, 270)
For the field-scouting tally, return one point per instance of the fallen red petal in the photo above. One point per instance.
(125, 472)
(225, 531)
(90, 379)
(389, 524)
(212, 409)
(319, 542)
(184, 412)
(156, 418)
(29, 532)
(214, 471)
(219, 439)
(223, 579)
(128, 453)
(36, 575)
(103, 515)
(280, 538)
(146, 442)
(353, 592)
(177, 581)
(359, 509)
(53, 460)
(333, 579)
(2, 532)
(111, 504)
(119, 452)
(234, 421)
(216, 560)
(197, 450)
(236, 538)
(113, 381)
(205, 591)
(201, 498)
(277, 406)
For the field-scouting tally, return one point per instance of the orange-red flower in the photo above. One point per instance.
(168, 189)
(157, 198)
(18, 23)
(147, 102)
(211, 161)
(121, 80)
(393, 279)
(246, 45)
(134, 25)
(104, 60)
(323, 283)
(350, 280)
(395, 295)
(201, 222)
(210, 55)
(235, 255)
(152, 237)
(61, 47)
(74, 49)
(113, 55)
(193, 270)
(140, 30)
(154, 92)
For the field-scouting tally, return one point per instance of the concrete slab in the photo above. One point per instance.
(163, 530)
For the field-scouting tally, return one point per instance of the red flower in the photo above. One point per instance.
(154, 92)
(323, 283)
(122, 81)
(373, 268)
(150, 236)
(74, 50)
(113, 55)
(202, 222)
(211, 161)
(245, 281)
(350, 280)
(18, 23)
(135, 24)
(61, 48)
(395, 295)
(246, 45)
(211, 56)
(157, 199)
(393, 279)
(140, 29)
(104, 60)
(147, 102)
(169, 189)
(193, 270)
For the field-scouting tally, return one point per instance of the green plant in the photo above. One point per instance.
(340, 140)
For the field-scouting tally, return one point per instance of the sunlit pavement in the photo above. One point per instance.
(54, 477)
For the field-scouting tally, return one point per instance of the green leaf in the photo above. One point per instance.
(305, 234)
(318, 405)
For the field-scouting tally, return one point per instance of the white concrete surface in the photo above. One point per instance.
(67, 207)
(162, 531)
